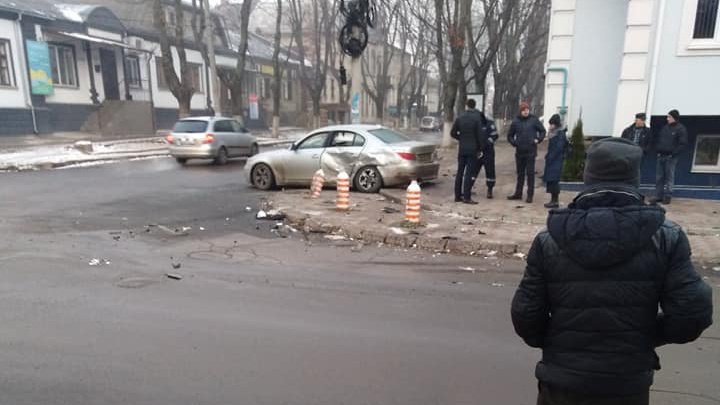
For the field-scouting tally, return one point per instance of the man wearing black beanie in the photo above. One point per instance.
(669, 144)
(594, 282)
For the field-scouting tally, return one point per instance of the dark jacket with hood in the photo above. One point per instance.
(523, 134)
(591, 290)
(643, 136)
(468, 130)
(672, 139)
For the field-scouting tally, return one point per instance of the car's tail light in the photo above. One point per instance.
(209, 138)
(170, 139)
(406, 155)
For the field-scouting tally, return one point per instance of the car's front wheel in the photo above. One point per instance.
(182, 161)
(262, 177)
(368, 180)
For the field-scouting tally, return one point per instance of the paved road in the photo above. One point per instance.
(256, 319)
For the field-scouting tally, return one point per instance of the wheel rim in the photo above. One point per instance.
(262, 176)
(368, 179)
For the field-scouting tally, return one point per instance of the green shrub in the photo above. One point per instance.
(575, 161)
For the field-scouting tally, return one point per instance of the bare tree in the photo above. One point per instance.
(199, 25)
(451, 20)
(181, 87)
(277, 71)
(376, 73)
(518, 67)
(235, 79)
(314, 33)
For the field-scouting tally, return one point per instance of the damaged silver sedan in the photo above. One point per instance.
(372, 155)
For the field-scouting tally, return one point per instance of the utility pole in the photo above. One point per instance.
(210, 40)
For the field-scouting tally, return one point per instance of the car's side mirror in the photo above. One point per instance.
(294, 147)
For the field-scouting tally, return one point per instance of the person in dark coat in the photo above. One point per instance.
(487, 158)
(671, 141)
(638, 133)
(525, 133)
(554, 159)
(467, 129)
(607, 283)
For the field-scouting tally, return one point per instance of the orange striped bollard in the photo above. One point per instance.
(343, 192)
(317, 184)
(412, 206)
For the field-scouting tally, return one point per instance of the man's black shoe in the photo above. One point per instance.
(470, 202)
(458, 199)
(529, 199)
(514, 197)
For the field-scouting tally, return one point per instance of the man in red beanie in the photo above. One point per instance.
(526, 132)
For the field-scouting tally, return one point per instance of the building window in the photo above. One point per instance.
(170, 17)
(132, 70)
(706, 17)
(161, 82)
(7, 73)
(62, 61)
(267, 87)
(196, 74)
(707, 153)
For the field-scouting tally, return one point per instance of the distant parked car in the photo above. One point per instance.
(430, 123)
(372, 155)
(215, 138)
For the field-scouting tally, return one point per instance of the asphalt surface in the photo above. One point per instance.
(256, 318)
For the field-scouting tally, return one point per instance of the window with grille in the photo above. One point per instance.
(62, 62)
(132, 70)
(7, 74)
(707, 154)
(706, 18)
(197, 77)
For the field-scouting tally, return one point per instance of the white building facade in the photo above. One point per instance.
(608, 60)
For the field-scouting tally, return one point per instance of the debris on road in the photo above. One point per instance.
(173, 276)
(716, 268)
(457, 283)
(390, 210)
(398, 231)
(520, 255)
(99, 262)
(202, 229)
(271, 215)
(248, 209)
(335, 237)
(470, 269)
(497, 284)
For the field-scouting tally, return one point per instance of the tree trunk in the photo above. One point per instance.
(316, 111)
(184, 106)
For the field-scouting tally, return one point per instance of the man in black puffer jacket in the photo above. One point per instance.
(594, 280)
(525, 133)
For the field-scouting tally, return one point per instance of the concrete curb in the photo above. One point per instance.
(380, 235)
(115, 157)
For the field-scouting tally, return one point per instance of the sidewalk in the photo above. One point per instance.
(498, 225)
(32, 152)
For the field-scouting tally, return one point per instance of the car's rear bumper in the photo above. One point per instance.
(193, 151)
(403, 174)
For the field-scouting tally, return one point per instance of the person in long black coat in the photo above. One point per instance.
(554, 160)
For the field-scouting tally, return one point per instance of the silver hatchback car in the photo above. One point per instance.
(215, 138)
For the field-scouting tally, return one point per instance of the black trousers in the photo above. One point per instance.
(464, 177)
(525, 167)
(554, 396)
(488, 162)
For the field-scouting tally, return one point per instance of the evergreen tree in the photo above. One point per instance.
(575, 162)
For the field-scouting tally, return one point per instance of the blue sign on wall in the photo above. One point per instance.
(38, 56)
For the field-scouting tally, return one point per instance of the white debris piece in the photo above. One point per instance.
(716, 268)
(471, 269)
(261, 215)
(248, 209)
(497, 284)
(202, 229)
(335, 237)
(398, 231)
(519, 255)
(94, 262)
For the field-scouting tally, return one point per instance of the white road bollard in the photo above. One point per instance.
(317, 184)
(412, 206)
(343, 192)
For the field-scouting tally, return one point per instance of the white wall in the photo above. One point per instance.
(687, 81)
(597, 53)
(14, 97)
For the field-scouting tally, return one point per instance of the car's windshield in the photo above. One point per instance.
(427, 120)
(389, 136)
(190, 126)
